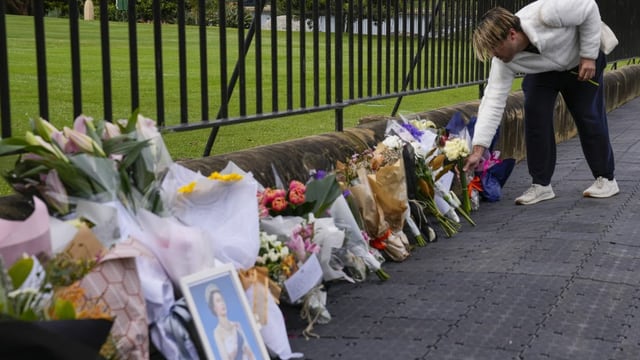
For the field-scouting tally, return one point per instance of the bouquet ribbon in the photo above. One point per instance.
(258, 276)
(380, 242)
(475, 184)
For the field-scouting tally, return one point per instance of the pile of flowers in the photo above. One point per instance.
(345, 223)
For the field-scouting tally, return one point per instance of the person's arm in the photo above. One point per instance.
(490, 111)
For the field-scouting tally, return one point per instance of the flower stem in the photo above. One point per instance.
(382, 275)
(420, 240)
(466, 201)
(467, 217)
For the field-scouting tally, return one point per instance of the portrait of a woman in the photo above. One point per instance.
(228, 335)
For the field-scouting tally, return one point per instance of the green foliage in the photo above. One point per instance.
(63, 310)
(231, 15)
(63, 270)
(322, 193)
(19, 271)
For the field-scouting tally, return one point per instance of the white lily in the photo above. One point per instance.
(37, 140)
(45, 129)
(83, 142)
(110, 130)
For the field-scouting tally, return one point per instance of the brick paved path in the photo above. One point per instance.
(555, 280)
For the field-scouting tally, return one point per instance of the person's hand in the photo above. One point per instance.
(586, 69)
(474, 158)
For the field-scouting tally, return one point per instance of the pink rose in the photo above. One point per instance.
(296, 196)
(279, 203)
(295, 184)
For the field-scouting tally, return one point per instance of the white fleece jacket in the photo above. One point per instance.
(563, 31)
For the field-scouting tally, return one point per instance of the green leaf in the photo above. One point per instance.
(12, 145)
(6, 287)
(131, 124)
(63, 310)
(19, 271)
(29, 315)
(323, 193)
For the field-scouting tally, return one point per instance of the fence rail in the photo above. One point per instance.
(335, 55)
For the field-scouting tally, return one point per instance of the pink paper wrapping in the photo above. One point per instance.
(30, 236)
(116, 280)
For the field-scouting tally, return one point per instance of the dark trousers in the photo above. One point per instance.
(585, 102)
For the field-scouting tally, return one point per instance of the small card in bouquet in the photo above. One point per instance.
(306, 278)
(85, 245)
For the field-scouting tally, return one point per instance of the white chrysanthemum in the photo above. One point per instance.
(456, 148)
(284, 252)
(393, 142)
(273, 256)
(422, 124)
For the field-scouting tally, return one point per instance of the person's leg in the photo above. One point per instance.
(540, 94)
(585, 101)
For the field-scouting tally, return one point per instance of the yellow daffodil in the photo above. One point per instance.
(187, 189)
(226, 177)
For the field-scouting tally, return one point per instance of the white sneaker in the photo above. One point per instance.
(602, 188)
(535, 194)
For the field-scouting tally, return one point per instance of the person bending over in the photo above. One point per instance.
(557, 45)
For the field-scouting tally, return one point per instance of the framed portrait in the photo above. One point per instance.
(221, 313)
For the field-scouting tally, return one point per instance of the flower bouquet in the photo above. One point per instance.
(94, 160)
(492, 172)
(355, 255)
(48, 299)
(432, 171)
(388, 185)
(366, 214)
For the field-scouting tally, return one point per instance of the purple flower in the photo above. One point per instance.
(415, 132)
(319, 174)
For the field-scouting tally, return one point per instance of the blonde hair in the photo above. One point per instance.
(491, 30)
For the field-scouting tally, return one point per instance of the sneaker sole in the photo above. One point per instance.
(600, 196)
(536, 200)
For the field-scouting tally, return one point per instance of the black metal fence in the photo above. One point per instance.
(336, 54)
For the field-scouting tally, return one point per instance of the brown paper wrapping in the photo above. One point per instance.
(372, 216)
(258, 277)
(389, 187)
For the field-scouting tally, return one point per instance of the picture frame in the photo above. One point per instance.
(234, 329)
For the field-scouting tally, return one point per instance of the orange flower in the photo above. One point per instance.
(85, 307)
(289, 265)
